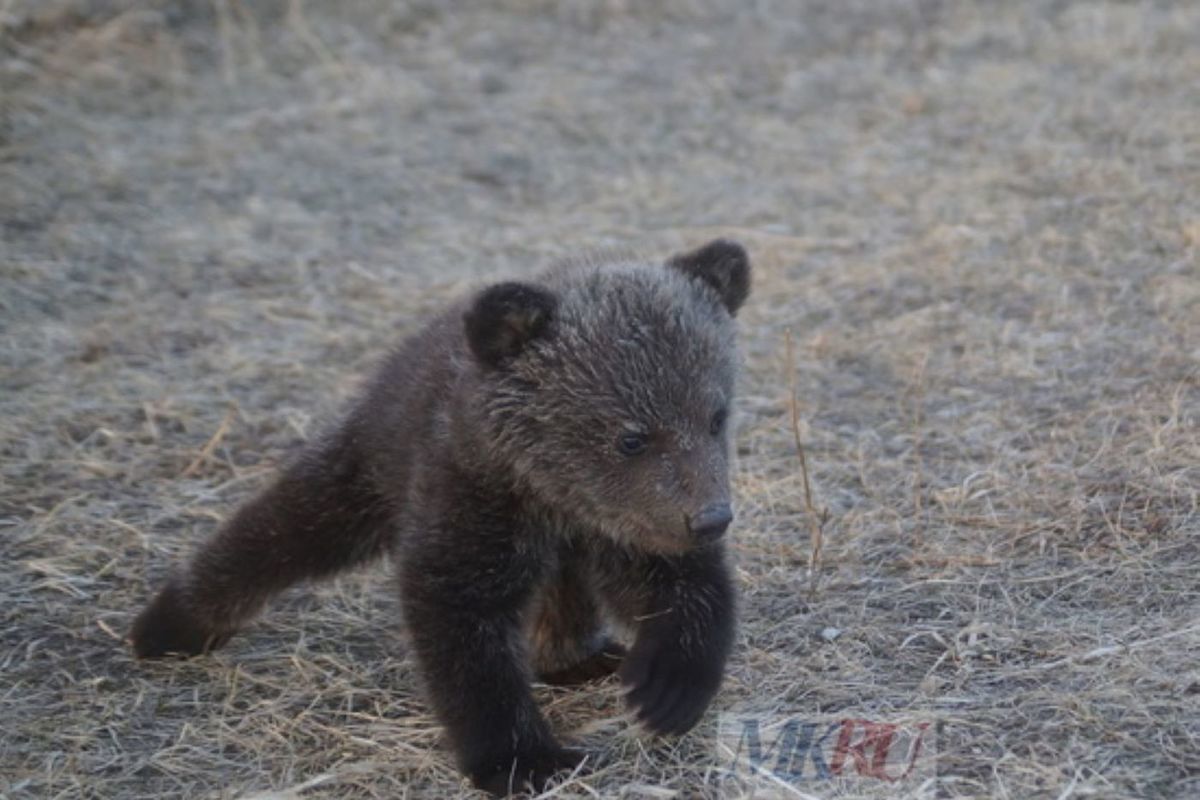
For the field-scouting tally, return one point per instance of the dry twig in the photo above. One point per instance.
(816, 519)
(211, 444)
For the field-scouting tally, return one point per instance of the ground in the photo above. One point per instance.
(978, 223)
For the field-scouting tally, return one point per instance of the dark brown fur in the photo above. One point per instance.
(540, 459)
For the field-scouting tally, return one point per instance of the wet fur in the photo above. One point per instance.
(482, 458)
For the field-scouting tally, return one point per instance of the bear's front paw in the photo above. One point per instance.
(668, 691)
(166, 627)
(529, 771)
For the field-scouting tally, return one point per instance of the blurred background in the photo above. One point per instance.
(979, 221)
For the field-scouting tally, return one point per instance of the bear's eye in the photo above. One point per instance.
(632, 444)
(718, 422)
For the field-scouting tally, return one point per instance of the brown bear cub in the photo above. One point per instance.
(540, 460)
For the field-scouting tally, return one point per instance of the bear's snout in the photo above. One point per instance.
(712, 522)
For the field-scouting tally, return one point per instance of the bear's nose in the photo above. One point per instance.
(712, 522)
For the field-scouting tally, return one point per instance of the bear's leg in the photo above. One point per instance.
(568, 640)
(465, 599)
(683, 608)
(319, 516)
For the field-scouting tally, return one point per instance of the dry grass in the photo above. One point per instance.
(981, 222)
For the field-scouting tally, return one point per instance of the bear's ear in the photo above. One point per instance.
(506, 317)
(721, 264)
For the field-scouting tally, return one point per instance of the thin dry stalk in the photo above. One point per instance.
(297, 20)
(225, 37)
(816, 519)
(918, 463)
(207, 451)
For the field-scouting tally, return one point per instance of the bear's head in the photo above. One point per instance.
(607, 392)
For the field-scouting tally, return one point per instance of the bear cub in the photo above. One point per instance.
(545, 462)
